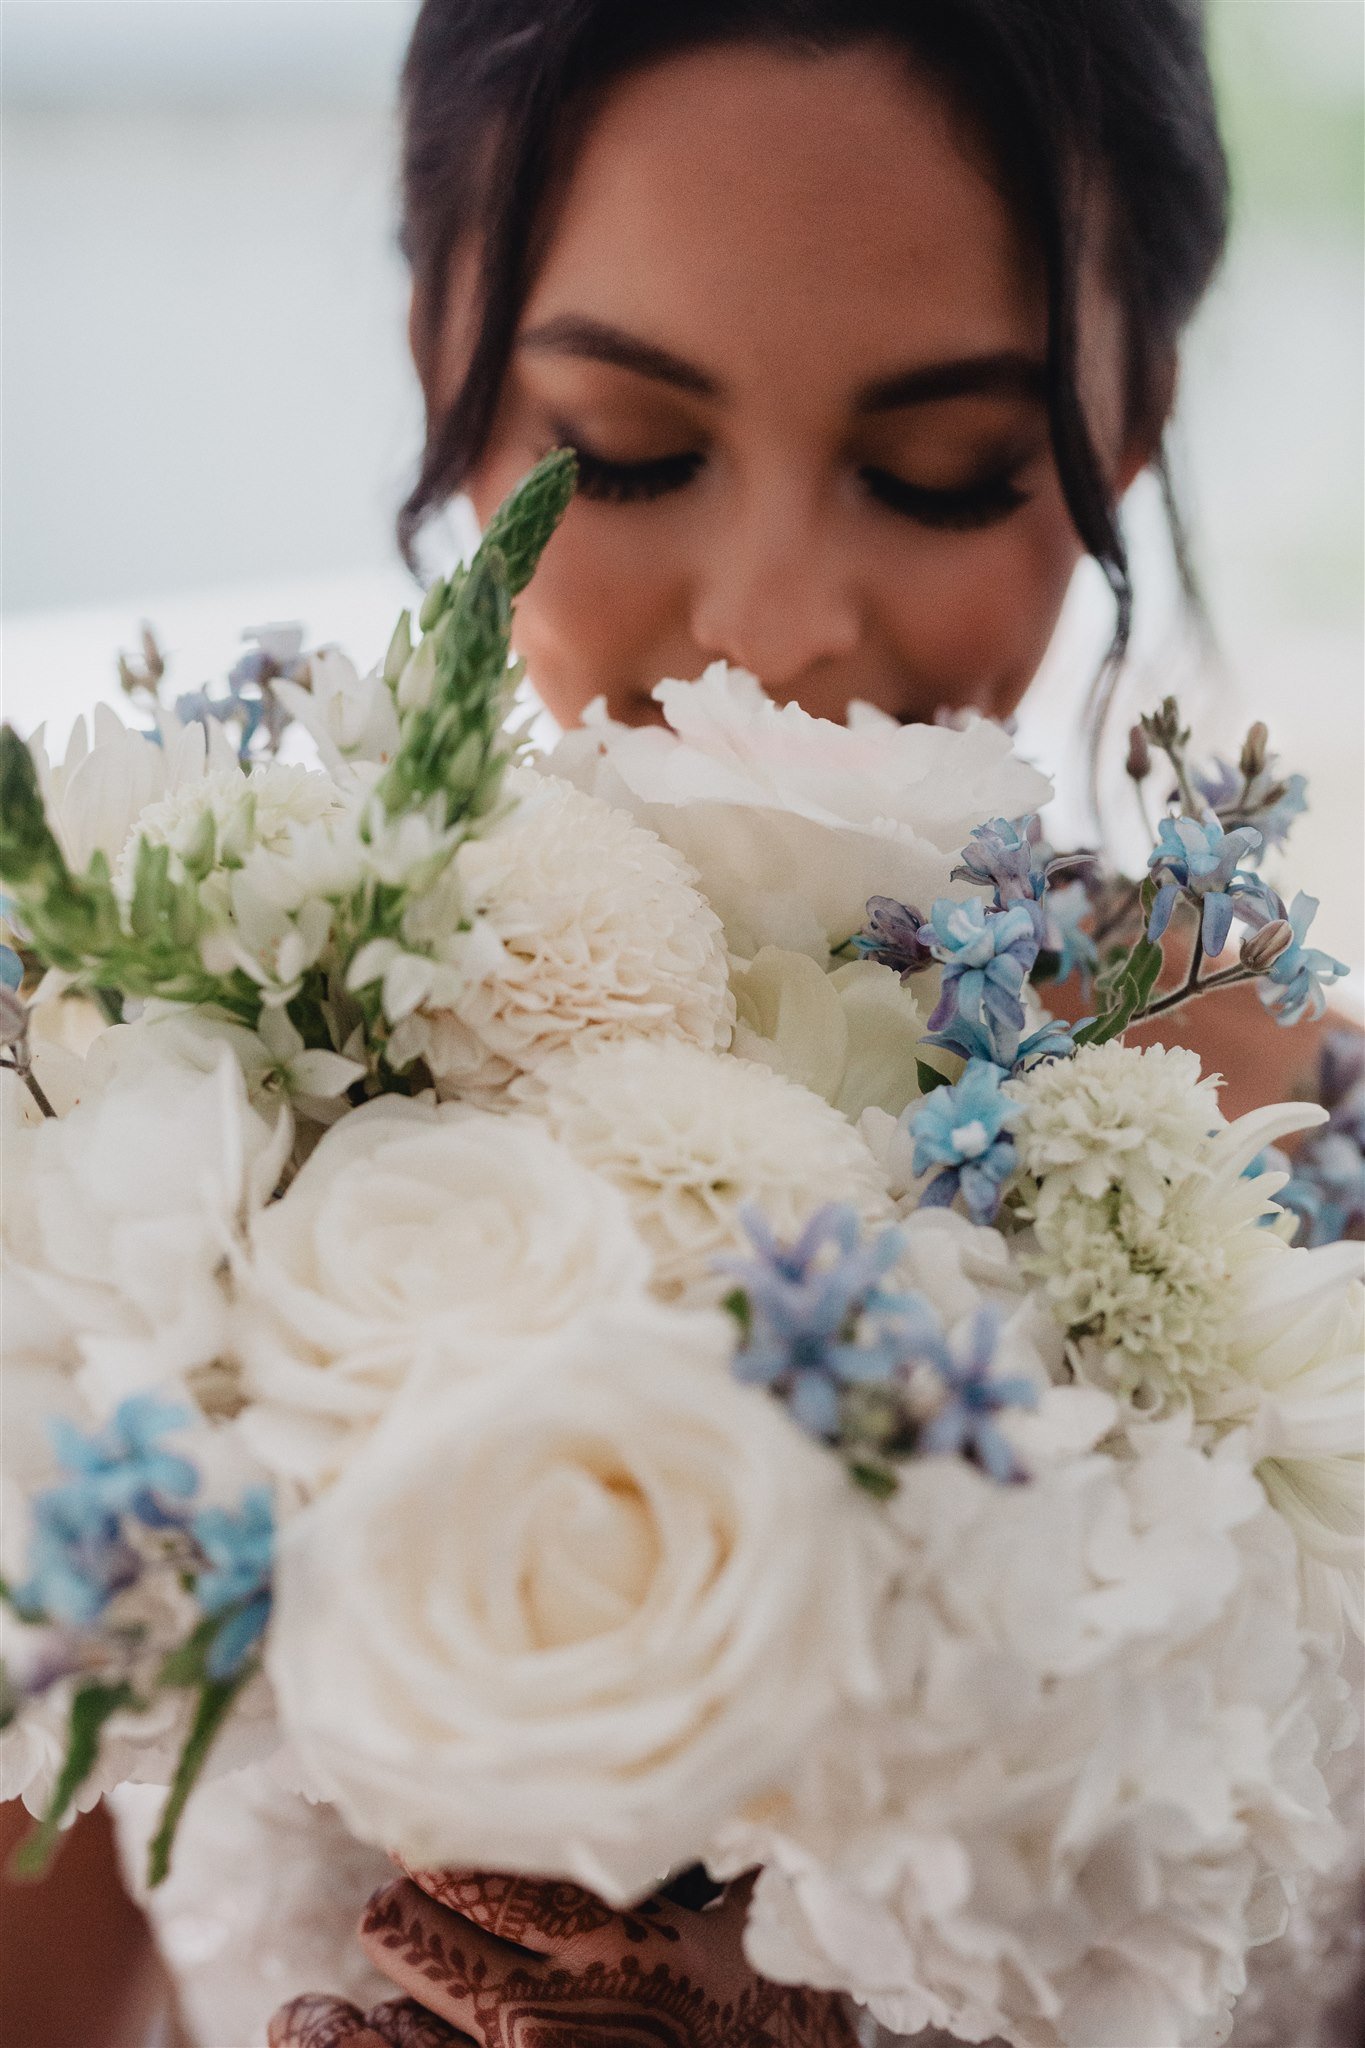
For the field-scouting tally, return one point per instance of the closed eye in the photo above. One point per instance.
(983, 502)
(623, 483)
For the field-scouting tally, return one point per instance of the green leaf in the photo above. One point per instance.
(930, 1078)
(1123, 990)
(523, 523)
(215, 1701)
(30, 857)
(878, 1480)
(90, 1709)
(736, 1303)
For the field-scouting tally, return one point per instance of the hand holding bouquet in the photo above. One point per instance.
(587, 1309)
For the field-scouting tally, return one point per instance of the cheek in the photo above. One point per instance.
(604, 613)
(976, 612)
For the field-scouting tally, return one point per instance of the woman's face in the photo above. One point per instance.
(791, 329)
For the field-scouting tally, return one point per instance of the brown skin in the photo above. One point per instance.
(792, 233)
(508, 1962)
(796, 235)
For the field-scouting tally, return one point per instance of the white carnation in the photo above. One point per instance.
(692, 1137)
(563, 1619)
(415, 1235)
(793, 822)
(119, 1218)
(1095, 1778)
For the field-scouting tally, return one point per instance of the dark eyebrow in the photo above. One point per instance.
(1008, 374)
(597, 342)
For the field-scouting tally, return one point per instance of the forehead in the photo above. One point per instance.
(778, 217)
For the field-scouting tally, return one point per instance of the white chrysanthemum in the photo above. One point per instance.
(590, 929)
(264, 808)
(1296, 1357)
(1115, 1116)
(1095, 1776)
(692, 1137)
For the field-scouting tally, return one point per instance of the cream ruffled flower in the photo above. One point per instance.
(850, 1036)
(587, 928)
(1094, 1778)
(793, 822)
(692, 1137)
(413, 1235)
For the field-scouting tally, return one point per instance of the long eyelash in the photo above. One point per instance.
(983, 503)
(623, 483)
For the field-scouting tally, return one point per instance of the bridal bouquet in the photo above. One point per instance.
(585, 1307)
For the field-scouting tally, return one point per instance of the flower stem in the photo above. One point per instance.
(24, 1070)
(1229, 978)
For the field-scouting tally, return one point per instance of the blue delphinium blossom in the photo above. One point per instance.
(78, 1558)
(804, 1300)
(11, 969)
(1199, 860)
(1293, 986)
(1002, 856)
(965, 1425)
(240, 1550)
(80, 1555)
(122, 1468)
(963, 1130)
(894, 937)
(1270, 802)
(987, 956)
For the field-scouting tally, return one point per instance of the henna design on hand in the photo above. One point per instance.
(319, 2021)
(541, 1914)
(507, 2001)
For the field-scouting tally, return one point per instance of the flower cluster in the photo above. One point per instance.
(590, 1301)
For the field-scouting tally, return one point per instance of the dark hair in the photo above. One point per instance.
(1069, 97)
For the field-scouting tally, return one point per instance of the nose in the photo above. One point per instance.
(775, 596)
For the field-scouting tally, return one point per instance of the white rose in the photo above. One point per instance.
(563, 1620)
(120, 1216)
(851, 1036)
(792, 822)
(415, 1233)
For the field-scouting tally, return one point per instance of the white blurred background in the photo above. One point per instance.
(209, 418)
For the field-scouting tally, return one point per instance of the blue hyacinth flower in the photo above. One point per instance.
(1294, 986)
(987, 956)
(963, 1132)
(894, 936)
(1001, 856)
(965, 1425)
(240, 1549)
(1199, 861)
(804, 1301)
(122, 1467)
